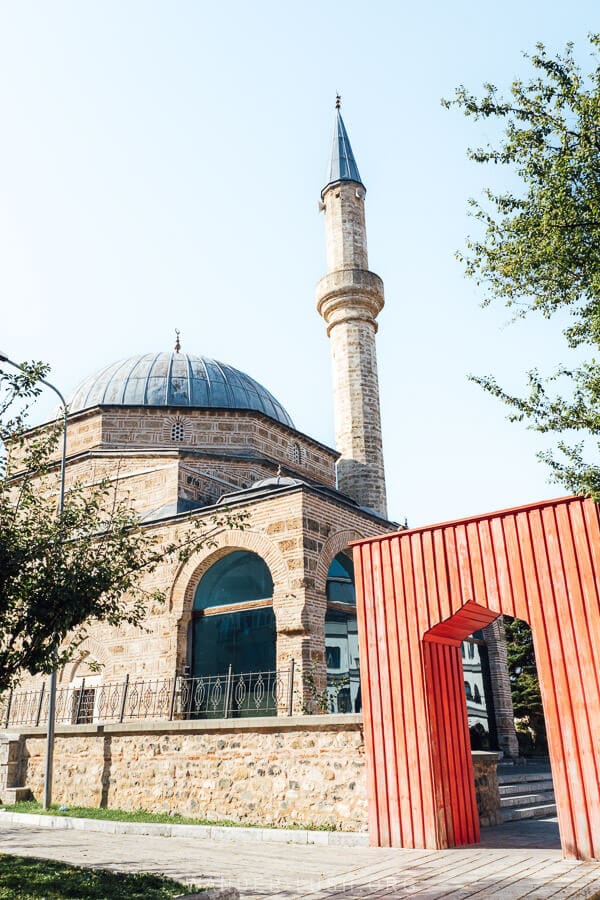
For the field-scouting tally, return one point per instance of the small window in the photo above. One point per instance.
(295, 453)
(177, 432)
(468, 691)
(83, 706)
(476, 694)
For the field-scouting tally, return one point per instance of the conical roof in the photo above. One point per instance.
(342, 165)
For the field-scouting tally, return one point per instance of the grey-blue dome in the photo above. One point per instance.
(176, 379)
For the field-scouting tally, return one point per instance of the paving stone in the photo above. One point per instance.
(272, 871)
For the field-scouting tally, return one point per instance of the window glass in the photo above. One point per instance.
(341, 654)
(245, 640)
(340, 580)
(238, 577)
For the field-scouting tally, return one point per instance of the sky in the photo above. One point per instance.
(160, 168)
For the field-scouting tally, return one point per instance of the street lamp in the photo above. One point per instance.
(61, 504)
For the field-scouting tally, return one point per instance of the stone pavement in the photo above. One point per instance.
(277, 871)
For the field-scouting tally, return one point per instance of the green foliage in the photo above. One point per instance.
(540, 249)
(117, 815)
(141, 815)
(321, 695)
(525, 687)
(58, 573)
(28, 878)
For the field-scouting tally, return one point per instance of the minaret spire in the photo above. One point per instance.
(342, 165)
(349, 298)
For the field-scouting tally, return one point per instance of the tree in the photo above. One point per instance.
(525, 686)
(58, 574)
(540, 245)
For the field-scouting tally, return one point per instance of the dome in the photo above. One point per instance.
(176, 379)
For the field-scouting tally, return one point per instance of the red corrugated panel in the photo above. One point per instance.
(419, 594)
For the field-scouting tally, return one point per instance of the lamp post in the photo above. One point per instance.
(61, 504)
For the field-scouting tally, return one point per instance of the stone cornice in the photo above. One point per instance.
(198, 726)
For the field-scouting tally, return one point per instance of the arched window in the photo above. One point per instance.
(468, 691)
(340, 580)
(239, 577)
(341, 637)
(233, 619)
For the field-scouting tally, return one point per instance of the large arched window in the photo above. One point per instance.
(233, 619)
(341, 637)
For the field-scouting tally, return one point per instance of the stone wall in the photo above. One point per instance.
(349, 298)
(486, 787)
(307, 770)
(227, 431)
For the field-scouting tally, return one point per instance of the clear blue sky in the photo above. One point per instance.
(160, 167)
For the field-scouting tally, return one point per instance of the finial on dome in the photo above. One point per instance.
(177, 341)
(338, 101)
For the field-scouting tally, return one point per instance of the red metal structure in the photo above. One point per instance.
(419, 594)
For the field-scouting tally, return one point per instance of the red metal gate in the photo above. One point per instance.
(419, 593)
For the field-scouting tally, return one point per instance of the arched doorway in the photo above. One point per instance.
(419, 594)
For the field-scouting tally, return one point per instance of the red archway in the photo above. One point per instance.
(419, 593)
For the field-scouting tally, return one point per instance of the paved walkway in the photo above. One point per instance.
(275, 871)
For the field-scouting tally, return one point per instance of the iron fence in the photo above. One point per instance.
(233, 695)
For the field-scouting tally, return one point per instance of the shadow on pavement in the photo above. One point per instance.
(534, 834)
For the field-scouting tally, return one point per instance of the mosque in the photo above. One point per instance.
(186, 437)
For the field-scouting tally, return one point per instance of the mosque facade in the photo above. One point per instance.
(187, 438)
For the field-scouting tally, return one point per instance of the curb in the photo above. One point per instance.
(204, 832)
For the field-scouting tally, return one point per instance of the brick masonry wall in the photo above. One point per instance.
(147, 481)
(307, 770)
(239, 447)
(297, 532)
(495, 640)
(225, 430)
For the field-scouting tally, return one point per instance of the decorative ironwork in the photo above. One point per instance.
(232, 695)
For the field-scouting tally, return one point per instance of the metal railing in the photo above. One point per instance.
(233, 695)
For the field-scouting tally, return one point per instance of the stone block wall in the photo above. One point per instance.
(305, 770)
(486, 787)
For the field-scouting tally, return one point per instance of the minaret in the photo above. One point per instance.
(349, 298)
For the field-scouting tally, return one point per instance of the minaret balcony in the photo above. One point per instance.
(349, 294)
